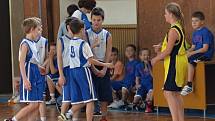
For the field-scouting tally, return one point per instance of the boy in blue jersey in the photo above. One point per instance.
(31, 87)
(53, 74)
(100, 41)
(202, 48)
(143, 81)
(81, 57)
(85, 7)
(129, 79)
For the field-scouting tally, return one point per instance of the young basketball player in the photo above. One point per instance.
(62, 28)
(202, 48)
(175, 60)
(102, 52)
(144, 86)
(85, 7)
(81, 56)
(63, 59)
(31, 87)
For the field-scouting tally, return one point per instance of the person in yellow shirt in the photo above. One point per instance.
(173, 52)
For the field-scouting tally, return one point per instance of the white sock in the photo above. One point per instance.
(43, 118)
(52, 95)
(14, 119)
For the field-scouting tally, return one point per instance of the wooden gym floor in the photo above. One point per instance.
(7, 110)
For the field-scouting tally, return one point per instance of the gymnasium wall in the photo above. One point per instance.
(151, 22)
(5, 49)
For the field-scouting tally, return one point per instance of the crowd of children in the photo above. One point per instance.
(86, 70)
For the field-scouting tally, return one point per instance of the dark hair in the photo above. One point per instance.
(132, 46)
(75, 24)
(198, 14)
(144, 49)
(114, 49)
(88, 4)
(98, 12)
(71, 9)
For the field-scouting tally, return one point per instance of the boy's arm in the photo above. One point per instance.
(192, 48)
(107, 54)
(61, 79)
(51, 65)
(24, 50)
(201, 50)
(118, 69)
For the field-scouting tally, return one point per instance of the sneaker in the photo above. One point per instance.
(51, 102)
(9, 119)
(148, 107)
(115, 104)
(186, 90)
(62, 117)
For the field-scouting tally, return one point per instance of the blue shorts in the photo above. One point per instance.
(103, 86)
(117, 85)
(128, 84)
(37, 85)
(197, 57)
(144, 89)
(82, 89)
(66, 92)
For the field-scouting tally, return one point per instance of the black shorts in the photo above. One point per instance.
(103, 86)
(197, 57)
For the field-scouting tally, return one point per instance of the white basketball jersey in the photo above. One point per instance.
(65, 42)
(32, 54)
(80, 52)
(100, 50)
(41, 45)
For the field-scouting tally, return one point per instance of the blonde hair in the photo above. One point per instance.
(175, 9)
(30, 23)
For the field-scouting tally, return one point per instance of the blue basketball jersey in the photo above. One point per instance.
(82, 16)
(79, 53)
(100, 50)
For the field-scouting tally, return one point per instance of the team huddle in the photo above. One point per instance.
(86, 72)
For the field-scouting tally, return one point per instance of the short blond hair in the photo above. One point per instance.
(30, 23)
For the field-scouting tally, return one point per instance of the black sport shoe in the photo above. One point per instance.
(9, 119)
(97, 114)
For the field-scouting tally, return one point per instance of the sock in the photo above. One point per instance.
(52, 95)
(43, 118)
(189, 84)
(14, 119)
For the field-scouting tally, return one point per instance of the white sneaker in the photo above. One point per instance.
(50, 102)
(113, 105)
(186, 90)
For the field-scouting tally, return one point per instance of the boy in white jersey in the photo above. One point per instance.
(31, 87)
(100, 41)
(63, 59)
(81, 56)
(42, 48)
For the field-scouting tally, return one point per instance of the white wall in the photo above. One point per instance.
(116, 11)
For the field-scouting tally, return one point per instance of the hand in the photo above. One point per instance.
(61, 81)
(189, 54)
(101, 73)
(27, 85)
(109, 65)
(51, 54)
(42, 70)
